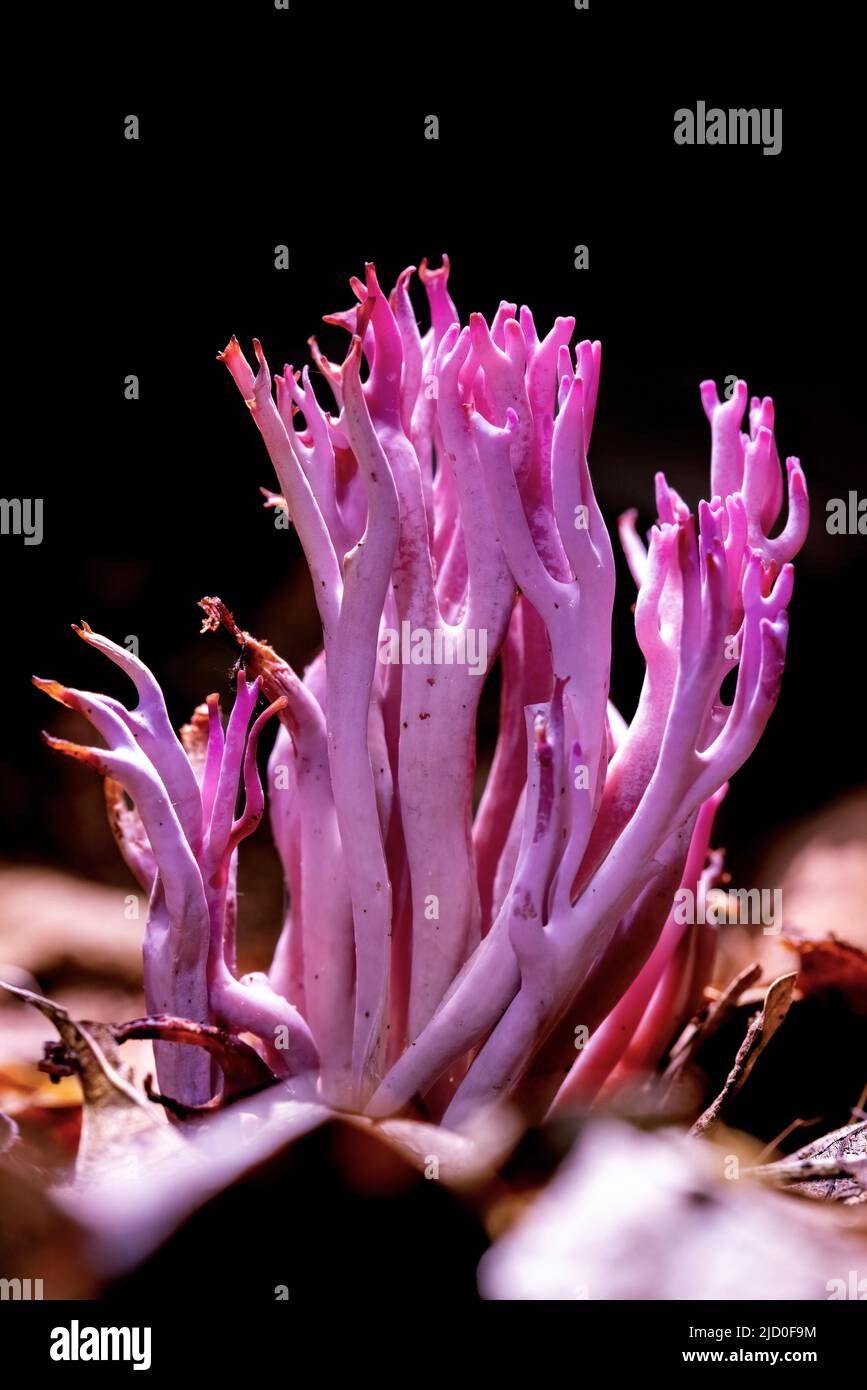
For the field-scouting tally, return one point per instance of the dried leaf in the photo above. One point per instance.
(244, 1072)
(762, 1028)
(121, 1130)
(702, 1028)
(831, 964)
(833, 1168)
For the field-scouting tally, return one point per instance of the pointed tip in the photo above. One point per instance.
(90, 756)
(50, 687)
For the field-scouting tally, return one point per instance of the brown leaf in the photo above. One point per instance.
(762, 1028)
(703, 1027)
(831, 964)
(120, 1127)
(244, 1072)
(833, 1168)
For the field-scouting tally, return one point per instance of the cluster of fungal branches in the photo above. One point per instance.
(432, 956)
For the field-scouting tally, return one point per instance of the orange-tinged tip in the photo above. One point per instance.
(259, 658)
(329, 370)
(274, 708)
(425, 273)
(55, 690)
(232, 347)
(90, 756)
(274, 499)
(217, 615)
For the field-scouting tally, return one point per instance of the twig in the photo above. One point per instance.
(762, 1028)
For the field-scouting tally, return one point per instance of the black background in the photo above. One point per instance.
(261, 127)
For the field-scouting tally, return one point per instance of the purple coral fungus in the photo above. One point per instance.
(445, 507)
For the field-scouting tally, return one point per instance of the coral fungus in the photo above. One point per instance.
(445, 507)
